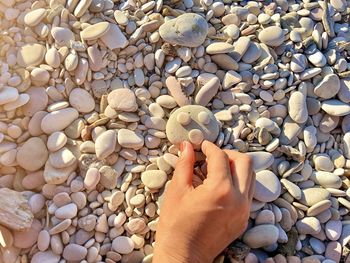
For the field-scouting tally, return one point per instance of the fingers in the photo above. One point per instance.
(241, 166)
(218, 167)
(252, 188)
(184, 167)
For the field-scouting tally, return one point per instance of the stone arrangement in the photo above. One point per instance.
(95, 96)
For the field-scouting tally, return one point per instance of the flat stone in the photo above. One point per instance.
(58, 120)
(62, 158)
(292, 188)
(189, 30)
(261, 236)
(95, 31)
(344, 91)
(62, 35)
(46, 256)
(308, 226)
(261, 160)
(272, 36)
(57, 176)
(81, 100)
(114, 38)
(290, 131)
(34, 17)
(105, 144)
(92, 178)
(30, 55)
(297, 107)
(225, 62)
(219, 48)
(252, 54)
(311, 196)
(67, 211)
(130, 139)
(8, 95)
(298, 63)
(231, 78)
(326, 179)
(240, 48)
(333, 229)
(154, 179)
(38, 101)
(122, 100)
(267, 186)
(317, 59)
(345, 235)
(328, 87)
(56, 141)
(334, 251)
(33, 149)
(207, 92)
(335, 107)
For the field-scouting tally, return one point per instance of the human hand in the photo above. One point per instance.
(196, 224)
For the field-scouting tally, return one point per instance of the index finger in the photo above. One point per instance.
(241, 164)
(218, 166)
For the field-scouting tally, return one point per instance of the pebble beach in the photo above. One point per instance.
(96, 96)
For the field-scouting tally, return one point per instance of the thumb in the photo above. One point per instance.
(184, 167)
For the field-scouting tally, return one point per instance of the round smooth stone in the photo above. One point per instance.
(267, 186)
(30, 55)
(272, 36)
(95, 31)
(105, 144)
(261, 236)
(122, 100)
(74, 252)
(130, 139)
(62, 158)
(92, 178)
(81, 100)
(154, 179)
(33, 149)
(58, 120)
(56, 141)
(67, 211)
(196, 136)
(123, 245)
(189, 30)
(46, 256)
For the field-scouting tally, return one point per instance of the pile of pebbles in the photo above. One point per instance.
(87, 88)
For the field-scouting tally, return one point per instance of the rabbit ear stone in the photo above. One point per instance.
(193, 123)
